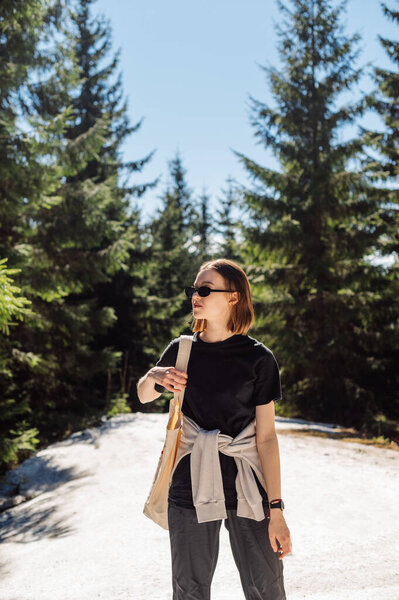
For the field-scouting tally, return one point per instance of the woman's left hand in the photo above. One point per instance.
(278, 529)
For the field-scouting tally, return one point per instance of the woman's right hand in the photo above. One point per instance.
(170, 378)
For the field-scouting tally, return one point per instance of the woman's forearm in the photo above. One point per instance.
(269, 455)
(146, 391)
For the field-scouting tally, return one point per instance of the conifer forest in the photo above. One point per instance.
(90, 294)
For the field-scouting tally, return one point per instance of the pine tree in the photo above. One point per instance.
(89, 235)
(101, 98)
(385, 102)
(15, 433)
(204, 226)
(27, 184)
(382, 167)
(172, 263)
(172, 234)
(309, 223)
(226, 226)
(12, 304)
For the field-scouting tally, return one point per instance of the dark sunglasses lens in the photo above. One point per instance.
(204, 291)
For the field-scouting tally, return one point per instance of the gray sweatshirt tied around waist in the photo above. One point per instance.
(206, 475)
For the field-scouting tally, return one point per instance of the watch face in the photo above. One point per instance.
(279, 504)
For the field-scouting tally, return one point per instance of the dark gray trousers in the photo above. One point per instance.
(195, 549)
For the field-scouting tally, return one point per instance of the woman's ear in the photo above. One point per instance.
(235, 296)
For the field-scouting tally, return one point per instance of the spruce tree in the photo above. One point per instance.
(382, 167)
(172, 263)
(12, 304)
(225, 225)
(15, 433)
(27, 185)
(204, 227)
(385, 102)
(172, 238)
(308, 232)
(101, 98)
(89, 236)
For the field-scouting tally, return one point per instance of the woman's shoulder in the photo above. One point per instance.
(264, 359)
(173, 345)
(259, 347)
(168, 356)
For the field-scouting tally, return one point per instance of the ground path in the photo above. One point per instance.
(82, 535)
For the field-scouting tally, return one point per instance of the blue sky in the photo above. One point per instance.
(188, 70)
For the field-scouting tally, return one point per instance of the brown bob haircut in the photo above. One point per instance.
(242, 313)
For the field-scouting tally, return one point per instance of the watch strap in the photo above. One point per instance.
(276, 503)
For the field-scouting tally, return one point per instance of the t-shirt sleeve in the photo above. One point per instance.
(167, 359)
(268, 383)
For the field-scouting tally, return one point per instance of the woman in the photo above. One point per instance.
(232, 382)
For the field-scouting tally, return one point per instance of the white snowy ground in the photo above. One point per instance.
(84, 537)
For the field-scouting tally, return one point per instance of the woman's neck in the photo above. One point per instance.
(212, 336)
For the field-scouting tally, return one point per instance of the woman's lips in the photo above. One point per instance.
(197, 305)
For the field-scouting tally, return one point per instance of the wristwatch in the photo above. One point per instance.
(277, 503)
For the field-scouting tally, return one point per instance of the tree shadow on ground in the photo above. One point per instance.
(32, 523)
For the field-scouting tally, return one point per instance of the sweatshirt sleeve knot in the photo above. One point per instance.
(206, 476)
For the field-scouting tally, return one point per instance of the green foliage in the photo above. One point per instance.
(310, 226)
(25, 184)
(381, 166)
(119, 405)
(22, 440)
(384, 101)
(226, 226)
(66, 222)
(11, 304)
(173, 259)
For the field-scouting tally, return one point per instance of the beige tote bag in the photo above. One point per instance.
(156, 505)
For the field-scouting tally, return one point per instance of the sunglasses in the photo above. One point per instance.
(203, 291)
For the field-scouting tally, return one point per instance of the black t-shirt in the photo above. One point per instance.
(226, 381)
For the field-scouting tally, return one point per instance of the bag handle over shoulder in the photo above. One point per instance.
(176, 403)
(183, 355)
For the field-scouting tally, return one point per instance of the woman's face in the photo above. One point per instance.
(215, 307)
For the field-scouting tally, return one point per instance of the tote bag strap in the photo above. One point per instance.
(183, 356)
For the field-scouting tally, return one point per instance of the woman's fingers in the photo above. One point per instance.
(284, 550)
(280, 538)
(177, 379)
(273, 542)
